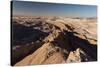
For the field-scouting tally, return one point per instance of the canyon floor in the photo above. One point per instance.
(53, 40)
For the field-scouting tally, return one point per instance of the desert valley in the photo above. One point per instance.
(53, 40)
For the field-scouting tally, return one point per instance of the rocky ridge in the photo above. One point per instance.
(53, 40)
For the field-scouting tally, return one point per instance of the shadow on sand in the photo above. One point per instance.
(23, 37)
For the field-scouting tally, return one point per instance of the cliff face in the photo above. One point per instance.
(53, 40)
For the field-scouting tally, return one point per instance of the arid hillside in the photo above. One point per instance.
(53, 40)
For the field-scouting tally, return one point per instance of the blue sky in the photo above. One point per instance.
(52, 9)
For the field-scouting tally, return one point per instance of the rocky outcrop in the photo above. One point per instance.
(54, 40)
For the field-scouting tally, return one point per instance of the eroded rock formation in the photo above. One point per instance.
(50, 40)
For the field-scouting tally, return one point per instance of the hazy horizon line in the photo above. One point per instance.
(53, 16)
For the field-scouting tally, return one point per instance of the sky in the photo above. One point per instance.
(53, 9)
